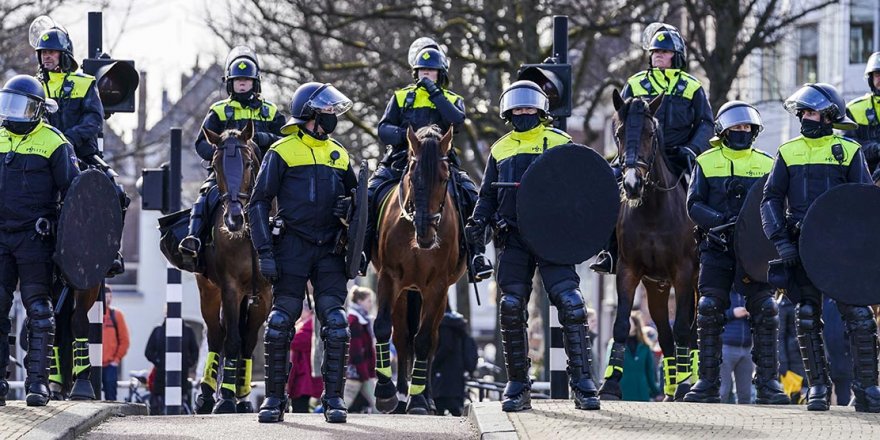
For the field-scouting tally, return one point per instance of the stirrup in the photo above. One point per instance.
(194, 251)
(604, 263)
(482, 268)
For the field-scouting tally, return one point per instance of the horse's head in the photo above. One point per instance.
(235, 164)
(637, 135)
(427, 180)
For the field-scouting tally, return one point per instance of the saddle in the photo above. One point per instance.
(174, 227)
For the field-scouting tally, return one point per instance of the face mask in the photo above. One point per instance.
(327, 122)
(815, 129)
(19, 128)
(525, 122)
(244, 97)
(738, 140)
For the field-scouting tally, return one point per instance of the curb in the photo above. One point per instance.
(79, 419)
(491, 423)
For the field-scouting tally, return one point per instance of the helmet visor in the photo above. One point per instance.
(328, 99)
(241, 52)
(873, 64)
(738, 115)
(18, 108)
(417, 47)
(807, 98)
(523, 97)
(651, 31)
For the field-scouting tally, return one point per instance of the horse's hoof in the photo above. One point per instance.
(681, 390)
(417, 405)
(668, 398)
(205, 403)
(610, 390)
(388, 405)
(82, 390)
(244, 406)
(386, 396)
(224, 406)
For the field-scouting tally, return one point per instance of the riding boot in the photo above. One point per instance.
(812, 345)
(512, 314)
(336, 337)
(483, 269)
(610, 389)
(41, 332)
(606, 261)
(192, 243)
(765, 334)
(578, 348)
(82, 385)
(862, 332)
(279, 327)
(710, 324)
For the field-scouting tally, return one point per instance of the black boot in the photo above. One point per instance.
(517, 394)
(192, 243)
(483, 269)
(336, 337)
(579, 351)
(765, 354)
(809, 333)
(279, 327)
(710, 323)
(606, 261)
(862, 332)
(610, 389)
(117, 267)
(41, 333)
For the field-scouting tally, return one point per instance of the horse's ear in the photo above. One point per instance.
(617, 99)
(412, 139)
(248, 133)
(446, 141)
(654, 105)
(213, 138)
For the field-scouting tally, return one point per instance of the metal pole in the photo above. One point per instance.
(174, 375)
(96, 44)
(560, 54)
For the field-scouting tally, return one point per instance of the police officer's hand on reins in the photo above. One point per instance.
(475, 230)
(429, 86)
(268, 269)
(341, 208)
(788, 253)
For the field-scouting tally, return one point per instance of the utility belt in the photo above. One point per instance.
(43, 227)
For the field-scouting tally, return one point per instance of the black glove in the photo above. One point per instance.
(788, 253)
(267, 267)
(687, 153)
(342, 207)
(475, 231)
(429, 86)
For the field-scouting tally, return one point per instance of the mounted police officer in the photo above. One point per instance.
(805, 168)
(721, 179)
(685, 115)
(311, 177)
(864, 111)
(39, 165)
(418, 105)
(244, 104)
(526, 106)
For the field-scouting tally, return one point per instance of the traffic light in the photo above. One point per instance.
(116, 80)
(555, 81)
(154, 188)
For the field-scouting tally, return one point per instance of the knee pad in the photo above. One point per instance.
(290, 305)
(512, 311)
(710, 311)
(808, 317)
(41, 315)
(570, 306)
(335, 326)
(279, 327)
(765, 310)
(859, 319)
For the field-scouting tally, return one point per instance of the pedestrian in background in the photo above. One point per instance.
(116, 343)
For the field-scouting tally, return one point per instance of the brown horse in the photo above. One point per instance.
(418, 249)
(235, 298)
(657, 247)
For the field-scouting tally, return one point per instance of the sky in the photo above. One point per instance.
(164, 37)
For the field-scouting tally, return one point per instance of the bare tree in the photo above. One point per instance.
(16, 53)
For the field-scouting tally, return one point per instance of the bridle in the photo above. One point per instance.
(408, 209)
(636, 115)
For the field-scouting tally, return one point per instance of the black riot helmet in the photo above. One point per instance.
(312, 97)
(523, 94)
(22, 104)
(823, 98)
(666, 37)
(242, 68)
(57, 39)
(872, 66)
(431, 58)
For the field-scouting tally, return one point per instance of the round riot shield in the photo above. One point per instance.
(567, 204)
(753, 249)
(840, 245)
(89, 230)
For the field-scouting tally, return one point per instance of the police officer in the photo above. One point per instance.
(311, 177)
(525, 106)
(244, 104)
(864, 111)
(685, 115)
(804, 169)
(721, 180)
(427, 102)
(38, 166)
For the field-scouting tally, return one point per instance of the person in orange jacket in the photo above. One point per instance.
(116, 342)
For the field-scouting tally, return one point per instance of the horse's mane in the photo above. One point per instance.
(429, 157)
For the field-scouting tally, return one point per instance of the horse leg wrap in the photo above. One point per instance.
(669, 382)
(55, 367)
(383, 360)
(245, 369)
(212, 364)
(614, 370)
(81, 362)
(419, 377)
(230, 369)
(682, 364)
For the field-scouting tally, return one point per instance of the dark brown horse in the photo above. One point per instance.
(418, 249)
(235, 298)
(657, 247)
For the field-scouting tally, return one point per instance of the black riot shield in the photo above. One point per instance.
(753, 249)
(89, 230)
(567, 204)
(840, 246)
(357, 225)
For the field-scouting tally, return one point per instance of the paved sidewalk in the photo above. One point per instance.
(58, 420)
(556, 419)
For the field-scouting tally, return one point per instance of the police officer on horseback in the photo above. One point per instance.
(685, 115)
(805, 168)
(864, 111)
(244, 104)
(39, 165)
(721, 179)
(525, 106)
(310, 176)
(427, 102)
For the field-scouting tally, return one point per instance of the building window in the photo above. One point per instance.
(808, 60)
(770, 87)
(861, 30)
